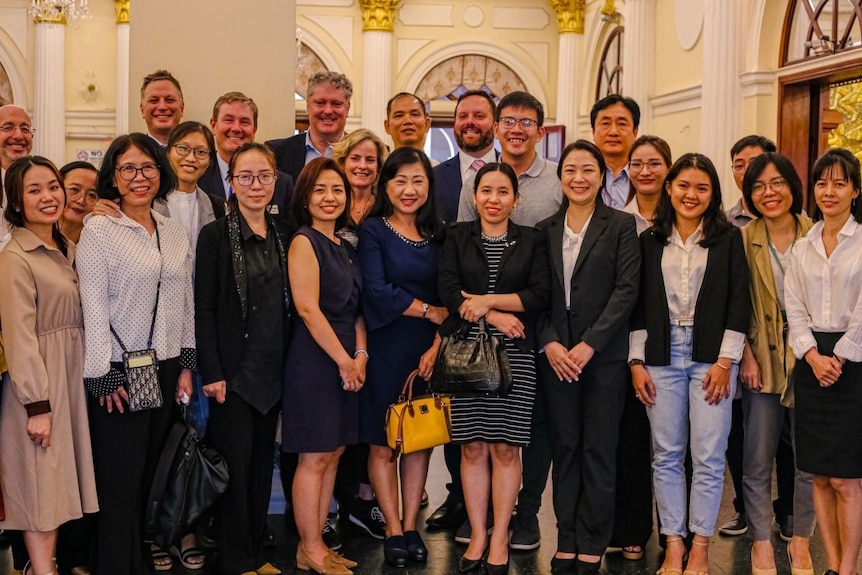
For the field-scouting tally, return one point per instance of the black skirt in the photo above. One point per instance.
(829, 419)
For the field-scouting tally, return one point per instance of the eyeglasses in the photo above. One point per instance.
(184, 150)
(25, 129)
(129, 172)
(739, 167)
(265, 179)
(653, 165)
(90, 196)
(775, 185)
(526, 123)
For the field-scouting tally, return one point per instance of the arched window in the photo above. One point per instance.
(610, 80)
(815, 28)
(307, 65)
(5, 87)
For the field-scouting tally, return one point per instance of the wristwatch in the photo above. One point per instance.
(635, 362)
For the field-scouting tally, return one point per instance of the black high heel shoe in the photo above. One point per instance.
(585, 568)
(563, 566)
(469, 565)
(491, 569)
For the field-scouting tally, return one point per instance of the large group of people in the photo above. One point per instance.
(288, 289)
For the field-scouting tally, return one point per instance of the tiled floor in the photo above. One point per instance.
(728, 555)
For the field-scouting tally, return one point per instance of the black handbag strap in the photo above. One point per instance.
(158, 292)
(163, 472)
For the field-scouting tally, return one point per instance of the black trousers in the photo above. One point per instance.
(785, 470)
(633, 507)
(536, 456)
(246, 439)
(126, 449)
(452, 457)
(735, 442)
(584, 419)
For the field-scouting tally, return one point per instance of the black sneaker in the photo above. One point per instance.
(738, 525)
(785, 527)
(330, 532)
(525, 532)
(367, 515)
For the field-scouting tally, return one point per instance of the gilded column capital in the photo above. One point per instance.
(609, 8)
(59, 18)
(121, 7)
(378, 14)
(570, 15)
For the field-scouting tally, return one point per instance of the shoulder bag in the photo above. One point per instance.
(417, 423)
(469, 367)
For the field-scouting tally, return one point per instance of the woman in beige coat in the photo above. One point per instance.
(46, 465)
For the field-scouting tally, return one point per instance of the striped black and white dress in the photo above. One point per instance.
(496, 419)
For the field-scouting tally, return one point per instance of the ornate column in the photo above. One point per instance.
(49, 111)
(378, 17)
(570, 24)
(638, 52)
(721, 91)
(122, 107)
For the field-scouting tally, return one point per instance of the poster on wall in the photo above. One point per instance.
(95, 157)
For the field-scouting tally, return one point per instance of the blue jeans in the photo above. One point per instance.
(681, 414)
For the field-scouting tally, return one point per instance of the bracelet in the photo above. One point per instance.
(363, 352)
(721, 366)
(425, 308)
(636, 362)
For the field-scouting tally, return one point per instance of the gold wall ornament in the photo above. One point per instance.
(378, 14)
(121, 7)
(847, 99)
(570, 15)
(609, 8)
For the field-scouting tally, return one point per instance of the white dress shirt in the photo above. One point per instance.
(823, 293)
(641, 222)
(572, 243)
(184, 208)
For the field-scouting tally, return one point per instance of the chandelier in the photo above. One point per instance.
(55, 10)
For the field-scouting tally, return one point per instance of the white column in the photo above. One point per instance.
(49, 112)
(638, 54)
(567, 83)
(376, 79)
(122, 78)
(721, 104)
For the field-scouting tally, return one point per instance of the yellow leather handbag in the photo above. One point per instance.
(417, 423)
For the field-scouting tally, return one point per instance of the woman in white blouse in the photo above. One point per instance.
(124, 264)
(688, 327)
(824, 312)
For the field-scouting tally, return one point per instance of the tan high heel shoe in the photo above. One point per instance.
(759, 571)
(797, 570)
(670, 570)
(328, 567)
(692, 571)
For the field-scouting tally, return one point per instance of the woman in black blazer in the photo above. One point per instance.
(688, 331)
(595, 256)
(495, 270)
(242, 324)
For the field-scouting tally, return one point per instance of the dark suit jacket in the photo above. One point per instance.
(523, 270)
(724, 301)
(213, 184)
(604, 286)
(289, 154)
(447, 187)
(219, 327)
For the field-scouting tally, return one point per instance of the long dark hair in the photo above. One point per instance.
(660, 145)
(14, 186)
(595, 152)
(847, 163)
(428, 221)
(106, 188)
(714, 222)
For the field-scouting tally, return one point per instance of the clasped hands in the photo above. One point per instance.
(475, 307)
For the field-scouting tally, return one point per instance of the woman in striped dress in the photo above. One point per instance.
(494, 269)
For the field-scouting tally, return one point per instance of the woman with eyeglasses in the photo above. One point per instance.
(136, 288)
(79, 178)
(773, 193)
(823, 297)
(242, 322)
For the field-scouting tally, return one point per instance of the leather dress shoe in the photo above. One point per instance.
(491, 569)
(561, 566)
(395, 551)
(469, 565)
(416, 550)
(448, 516)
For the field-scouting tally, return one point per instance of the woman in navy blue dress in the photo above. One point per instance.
(326, 356)
(398, 252)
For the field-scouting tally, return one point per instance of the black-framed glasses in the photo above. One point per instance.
(265, 178)
(653, 165)
(776, 185)
(526, 123)
(184, 150)
(129, 172)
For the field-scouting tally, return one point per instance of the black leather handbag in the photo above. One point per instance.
(472, 367)
(189, 479)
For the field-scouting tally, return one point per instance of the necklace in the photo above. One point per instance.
(772, 245)
(495, 239)
(360, 209)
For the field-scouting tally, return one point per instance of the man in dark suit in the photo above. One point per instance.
(474, 134)
(234, 123)
(328, 103)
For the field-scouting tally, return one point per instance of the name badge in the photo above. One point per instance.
(272, 209)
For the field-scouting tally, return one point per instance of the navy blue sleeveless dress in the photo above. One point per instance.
(317, 414)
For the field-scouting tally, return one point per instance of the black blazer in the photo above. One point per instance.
(724, 301)
(219, 327)
(447, 187)
(523, 270)
(604, 286)
(289, 154)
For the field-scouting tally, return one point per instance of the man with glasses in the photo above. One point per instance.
(615, 121)
(234, 123)
(161, 105)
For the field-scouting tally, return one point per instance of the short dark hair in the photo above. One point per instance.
(400, 95)
(428, 221)
(661, 146)
(849, 164)
(520, 99)
(784, 167)
(481, 94)
(78, 165)
(105, 186)
(612, 99)
(232, 201)
(160, 75)
(593, 150)
(755, 141)
(231, 98)
(714, 222)
(183, 129)
(14, 189)
(305, 186)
